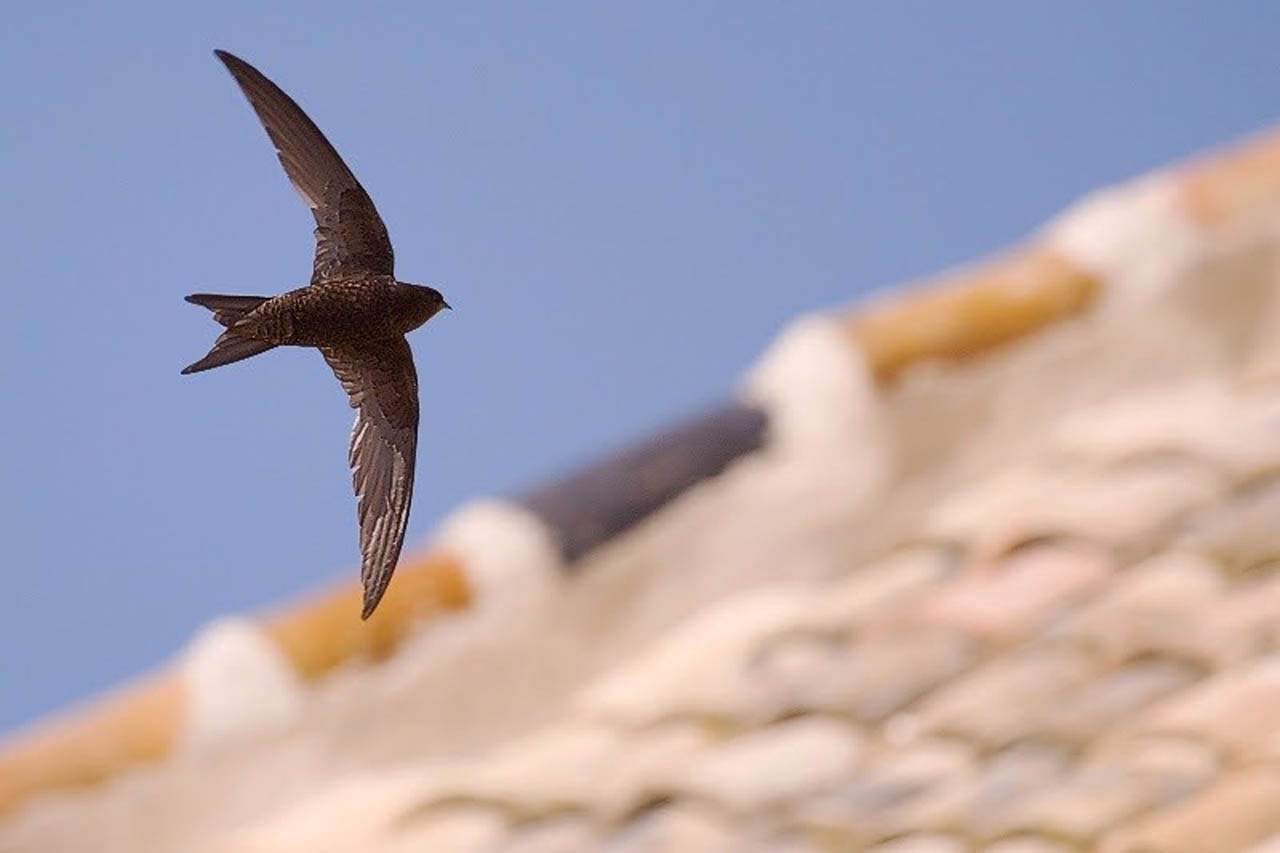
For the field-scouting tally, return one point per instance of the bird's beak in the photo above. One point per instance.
(446, 305)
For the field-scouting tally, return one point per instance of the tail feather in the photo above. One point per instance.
(227, 310)
(230, 347)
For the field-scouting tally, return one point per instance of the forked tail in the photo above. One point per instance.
(227, 309)
(230, 346)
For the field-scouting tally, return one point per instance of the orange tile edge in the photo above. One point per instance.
(137, 724)
(144, 721)
(973, 312)
(325, 631)
(1233, 184)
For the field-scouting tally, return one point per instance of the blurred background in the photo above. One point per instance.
(622, 202)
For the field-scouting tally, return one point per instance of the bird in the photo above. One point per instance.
(353, 310)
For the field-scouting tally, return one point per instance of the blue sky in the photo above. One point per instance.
(623, 202)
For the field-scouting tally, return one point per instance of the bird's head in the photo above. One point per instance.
(421, 303)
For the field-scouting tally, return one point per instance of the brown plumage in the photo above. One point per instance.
(354, 311)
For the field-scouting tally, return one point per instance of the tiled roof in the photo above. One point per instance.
(909, 592)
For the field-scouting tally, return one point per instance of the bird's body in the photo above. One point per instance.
(344, 311)
(354, 311)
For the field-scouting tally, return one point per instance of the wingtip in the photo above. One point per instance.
(228, 59)
(372, 598)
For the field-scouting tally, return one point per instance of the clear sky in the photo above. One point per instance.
(622, 201)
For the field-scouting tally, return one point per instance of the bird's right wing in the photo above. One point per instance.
(383, 386)
(350, 236)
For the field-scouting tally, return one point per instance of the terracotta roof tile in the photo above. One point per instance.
(1015, 596)
(1234, 710)
(1158, 608)
(1116, 697)
(773, 765)
(667, 826)
(1107, 788)
(1233, 813)
(922, 843)
(1008, 699)
(871, 678)
(1029, 844)
(560, 834)
(461, 828)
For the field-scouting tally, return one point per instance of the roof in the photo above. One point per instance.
(990, 564)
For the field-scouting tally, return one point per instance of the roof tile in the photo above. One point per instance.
(701, 668)
(586, 768)
(1029, 844)
(459, 829)
(1008, 699)
(1241, 535)
(922, 843)
(1021, 592)
(1247, 623)
(870, 678)
(1007, 779)
(670, 827)
(1123, 507)
(1237, 811)
(893, 793)
(774, 764)
(1116, 697)
(560, 834)
(1157, 608)
(1271, 845)
(1234, 710)
(1185, 762)
(1092, 799)
(1201, 422)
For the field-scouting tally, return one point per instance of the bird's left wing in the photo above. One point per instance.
(383, 387)
(350, 235)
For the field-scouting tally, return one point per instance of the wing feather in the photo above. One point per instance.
(383, 386)
(350, 235)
